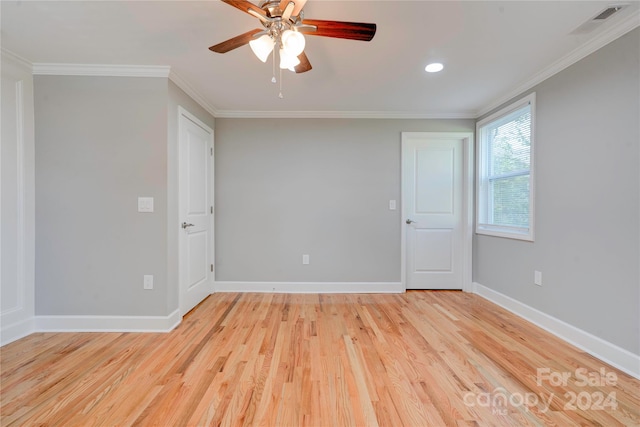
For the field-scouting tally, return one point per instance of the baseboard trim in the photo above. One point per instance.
(310, 287)
(15, 331)
(607, 352)
(107, 323)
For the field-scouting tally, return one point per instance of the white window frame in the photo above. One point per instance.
(482, 199)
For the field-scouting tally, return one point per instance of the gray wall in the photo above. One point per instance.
(587, 201)
(321, 187)
(100, 143)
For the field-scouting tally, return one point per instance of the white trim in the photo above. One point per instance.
(467, 207)
(612, 33)
(344, 115)
(18, 309)
(597, 347)
(101, 70)
(529, 99)
(190, 91)
(16, 331)
(107, 323)
(21, 198)
(310, 287)
(17, 59)
(20, 248)
(498, 231)
(17, 321)
(184, 112)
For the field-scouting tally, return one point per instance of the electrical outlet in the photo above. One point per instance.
(147, 281)
(305, 259)
(537, 278)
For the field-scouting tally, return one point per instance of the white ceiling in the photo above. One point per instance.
(490, 50)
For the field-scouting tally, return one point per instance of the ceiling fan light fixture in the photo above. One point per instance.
(287, 60)
(262, 47)
(293, 42)
(283, 25)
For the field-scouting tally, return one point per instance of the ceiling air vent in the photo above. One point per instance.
(607, 13)
(595, 22)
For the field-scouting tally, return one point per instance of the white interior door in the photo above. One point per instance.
(196, 211)
(432, 206)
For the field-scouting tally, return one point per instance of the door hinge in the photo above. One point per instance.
(211, 209)
(212, 151)
(212, 268)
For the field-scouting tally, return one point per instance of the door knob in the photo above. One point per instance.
(409, 221)
(185, 225)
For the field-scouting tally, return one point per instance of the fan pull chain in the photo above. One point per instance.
(280, 94)
(273, 79)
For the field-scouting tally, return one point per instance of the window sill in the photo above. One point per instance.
(526, 235)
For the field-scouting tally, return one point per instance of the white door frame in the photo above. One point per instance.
(17, 319)
(183, 114)
(467, 205)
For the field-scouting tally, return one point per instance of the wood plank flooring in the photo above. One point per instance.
(424, 358)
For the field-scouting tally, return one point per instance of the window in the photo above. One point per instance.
(505, 172)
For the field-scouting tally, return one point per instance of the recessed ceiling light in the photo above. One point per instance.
(434, 67)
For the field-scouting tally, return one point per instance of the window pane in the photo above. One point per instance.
(510, 201)
(510, 144)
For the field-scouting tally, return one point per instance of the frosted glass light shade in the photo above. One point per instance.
(262, 47)
(288, 61)
(293, 42)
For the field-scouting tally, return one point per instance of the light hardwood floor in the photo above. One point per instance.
(424, 358)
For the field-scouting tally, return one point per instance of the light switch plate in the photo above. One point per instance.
(392, 205)
(145, 204)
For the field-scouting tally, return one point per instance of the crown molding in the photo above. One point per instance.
(193, 93)
(614, 32)
(101, 70)
(9, 55)
(342, 115)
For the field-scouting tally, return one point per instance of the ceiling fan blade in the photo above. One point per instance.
(338, 29)
(304, 64)
(247, 7)
(234, 42)
(299, 4)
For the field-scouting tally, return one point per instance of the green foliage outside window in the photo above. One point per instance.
(508, 173)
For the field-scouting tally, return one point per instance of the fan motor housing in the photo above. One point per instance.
(271, 7)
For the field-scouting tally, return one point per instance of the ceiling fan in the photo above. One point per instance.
(284, 25)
